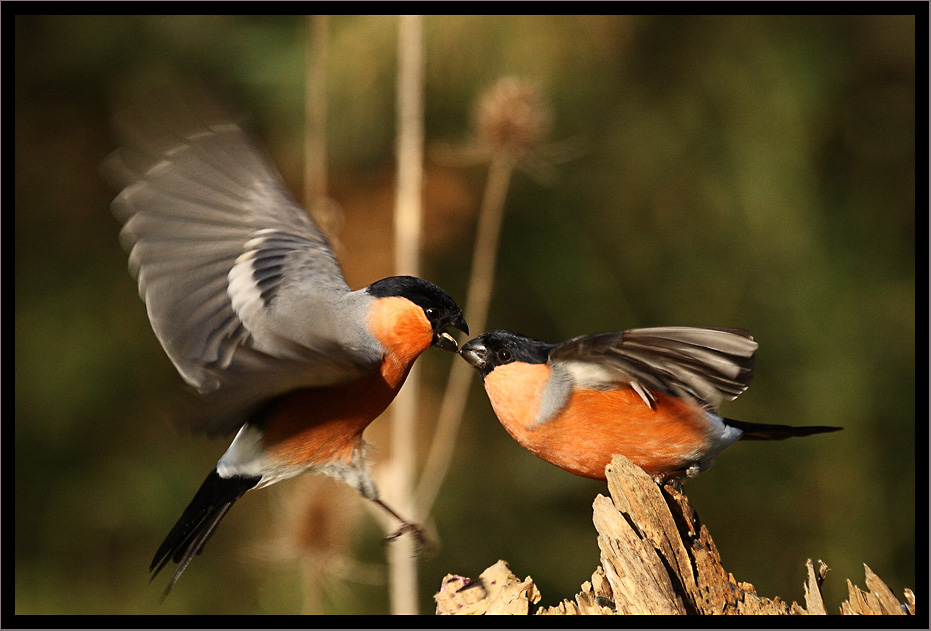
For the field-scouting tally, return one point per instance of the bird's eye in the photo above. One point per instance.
(504, 356)
(432, 313)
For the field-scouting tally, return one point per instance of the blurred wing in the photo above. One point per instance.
(215, 240)
(711, 365)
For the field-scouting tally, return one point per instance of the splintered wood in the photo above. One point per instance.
(656, 558)
(497, 590)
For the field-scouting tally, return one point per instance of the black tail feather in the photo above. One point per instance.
(761, 431)
(210, 504)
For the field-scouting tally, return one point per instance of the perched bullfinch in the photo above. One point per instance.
(249, 302)
(651, 395)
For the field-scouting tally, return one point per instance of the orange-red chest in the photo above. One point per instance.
(593, 425)
(320, 425)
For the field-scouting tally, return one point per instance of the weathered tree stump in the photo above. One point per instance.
(656, 558)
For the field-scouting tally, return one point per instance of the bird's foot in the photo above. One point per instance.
(422, 543)
(672, 479)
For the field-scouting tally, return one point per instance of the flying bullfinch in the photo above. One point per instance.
(248, 300)
(651, 395)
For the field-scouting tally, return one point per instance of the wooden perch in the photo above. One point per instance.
(656, 558)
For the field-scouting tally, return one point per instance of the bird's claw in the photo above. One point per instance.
(421, 541)
(671, 479)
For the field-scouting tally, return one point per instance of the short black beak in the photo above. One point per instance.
(475, 353)
(460, 324)
(446, 341)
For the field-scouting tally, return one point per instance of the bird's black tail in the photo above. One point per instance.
(761, 431)
(187, 538)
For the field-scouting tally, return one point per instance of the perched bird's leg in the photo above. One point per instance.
(671, 478)
(407, 527)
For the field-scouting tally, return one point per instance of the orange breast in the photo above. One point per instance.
(594, 425)
(320, 425)
(514, 391)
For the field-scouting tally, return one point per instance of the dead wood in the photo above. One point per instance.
(656, 558)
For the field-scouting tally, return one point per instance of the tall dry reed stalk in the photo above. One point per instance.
(511, 122)
(402, 564)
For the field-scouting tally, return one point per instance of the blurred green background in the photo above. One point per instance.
(734, 171)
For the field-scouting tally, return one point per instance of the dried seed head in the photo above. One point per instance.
(511, 117)
(316, 519)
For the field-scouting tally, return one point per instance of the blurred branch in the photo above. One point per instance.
(315, 112)
(656, 558)
(511, 123)
(478, 299)
(325, 211)
(407, 224)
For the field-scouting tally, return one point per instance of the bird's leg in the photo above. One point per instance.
(672, 478)
(407, 527)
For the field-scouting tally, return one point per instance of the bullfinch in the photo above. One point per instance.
(651, 395)
(248, 300)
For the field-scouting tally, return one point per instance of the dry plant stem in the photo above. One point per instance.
(315, 191)
(478, 299)
(402, 564)
(315, 114)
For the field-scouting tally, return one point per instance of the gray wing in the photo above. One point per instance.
(226, 261)
(711, 365)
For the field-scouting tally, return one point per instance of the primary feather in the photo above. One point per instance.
(712, 365)
(241, 287)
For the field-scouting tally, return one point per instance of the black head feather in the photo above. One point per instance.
(439, 307)
(497, 348)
